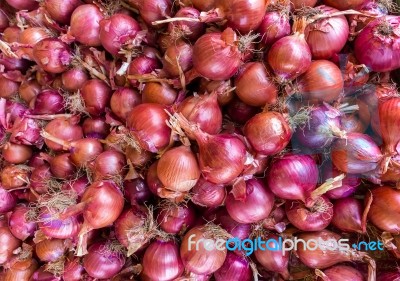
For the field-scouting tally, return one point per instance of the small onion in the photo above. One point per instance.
(176, 219)
(208, 194)
(123, 100)
(86, 18)
(73, 79)
(348, 215)
(96, 95)
(52, 55)
(20, 225)
(235, 267)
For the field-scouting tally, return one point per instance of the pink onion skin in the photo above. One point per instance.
(86, 18)
(57, 228)
(19, 224)
(235, 267)
(123, 100)
(52, 55)
(73, 79)
(347, 215)
(273, 27)
(7, 200)
(379, 50)
(208, 194)
(96, 95)
(239, 230)
(293, 177)
(61, 10)
(349, 183)
(327, 37)
(176, 219)
(314, 218)
(191, 30)
(343, 272)
(162, 261)
(116, 31)
(23, 4)
(256, 206)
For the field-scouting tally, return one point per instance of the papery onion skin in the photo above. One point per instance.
(314, 218)
(20, 225)
(73, 79)
(384, 211)
(66, 129)
(7, 201)
(214, 57)
(178, 57)
(48, 102)
(356, 154)
(349, 183)
(96, 95)
(235, 267)
(178, 169)
(8, 243)
(176, 219)
(96, 128)
(186, 29)
(50, 250)
(162, 261)
(268, 132)
(147, 123)
(347, 215)
(102, 261)
(389, 122)
(254, 85)
(376, 45)
(293, 177)
(116, 31)
(53, 227)
(86, 18)
(208, 194)
(52, 55)
(202, 261)
(31, 36)
(151, 11)
(123, 100)
(344, 4)
(61, 10)
(273, 27)
(322, 82)
(256, 206)
(343, 272)
(327, 37)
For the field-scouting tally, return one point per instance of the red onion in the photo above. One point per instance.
(298, 4)
(96, 95)
(327, 36)
(104, 260)
(349, 183)
(357, 154)
(29, 89)
(123, 100)
(176, 219)
(254, 85)
(215, 57)
(388, 121)
(19, 223)
(159, 93)
(136, 191)
(322, 82)
(311, 217)
(54, 227)
(8, 243)
(177, 58)
(77, 186)
(204, 111)
(86, 18)
(23, 4)
(186, 29)
(22, 269)
(9, 85)
(96, 128)
(290, 56)
(256, 205)
(51, 250)
(237, 230)
(48, 102)
(16, 153)
(7, 201)
(389, 276)
(275, 261)
(30, 37)
(14, 176)
(44, 78)
(137, 157)
(235, 267)
(327, 257)
(322, 128)
(62, 167)
(116, 31)
(293, 177)
(73, 270)
(268, 132)
(161, 261)
(147, 123)
(221, 157)
(348, 215)
(224, 89)
(26, 131)
(208, 194)
(52, 55)
(384, 212)
(380, 38)
(153, 10)
(202, 260)
(61, 11)
(178, 169)
(101, 205)
(73, 79)
(142, 65)
(40, 178)
(66, 129)
(13, 63)
(345, 5)
(341, 272)
(274, 25)
(109, 165)
(42, 275)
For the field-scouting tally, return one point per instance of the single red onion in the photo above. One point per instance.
(52, 55)
(23, 4)
(19, 223)
(54, 227)
(73, 79)
(7, 201)
(176, 219)
(254, 207)
(136, 191)
(63, 128)
(274, 25)
(235, 267)
(30, 37)
(123, 100)
(208, 194)
(96, 95)
(142, 65)
(348, 215)
(234, 228)
(85, 24)
(349, 183)
(48, 102)
(62, 167)
(60, 10)
(118, 30)
(186, 29)
(241, 112)
(96, 128)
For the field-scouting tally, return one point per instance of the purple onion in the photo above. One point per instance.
(19, 223)
(48, 102)
(273, 27)
(349, 183)
(7, 201)
(239, 230)
(235, 267)
(176, 219)
(137, 191)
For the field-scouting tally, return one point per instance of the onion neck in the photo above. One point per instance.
(328, 185)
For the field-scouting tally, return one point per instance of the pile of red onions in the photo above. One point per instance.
(166, 140)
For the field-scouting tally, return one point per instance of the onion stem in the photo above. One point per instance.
(175, 19)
